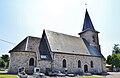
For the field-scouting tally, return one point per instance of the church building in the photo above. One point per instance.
(58, 51)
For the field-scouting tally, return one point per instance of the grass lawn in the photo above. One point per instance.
(3, 74)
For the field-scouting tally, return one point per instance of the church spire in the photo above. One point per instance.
(87, 22)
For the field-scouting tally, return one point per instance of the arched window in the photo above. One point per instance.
(91, 63)
(79, 64)
(31, 62)
(64, 63)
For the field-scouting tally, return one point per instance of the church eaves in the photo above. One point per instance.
(87, 22)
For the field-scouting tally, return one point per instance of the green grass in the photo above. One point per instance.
(4, 75)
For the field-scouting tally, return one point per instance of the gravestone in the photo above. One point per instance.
(21, 73)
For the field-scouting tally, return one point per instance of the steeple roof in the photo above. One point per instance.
(87, 22)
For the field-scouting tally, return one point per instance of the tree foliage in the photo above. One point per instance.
(2, 63)
(109, 60)
(113, 60)
(116, 49)
(5, 58)
(116, 60)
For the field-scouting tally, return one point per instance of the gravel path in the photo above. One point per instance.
(113, 75)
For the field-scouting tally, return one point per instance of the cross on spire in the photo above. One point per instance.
(86, 5)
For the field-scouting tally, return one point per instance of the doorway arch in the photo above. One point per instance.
(85, 68)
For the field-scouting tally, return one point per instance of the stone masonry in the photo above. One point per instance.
(43, 64)
(72, 63)
(21, 59)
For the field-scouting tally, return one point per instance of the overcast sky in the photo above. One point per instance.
(22, 18)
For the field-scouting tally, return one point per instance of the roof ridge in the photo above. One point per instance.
(33, 37)
(62, 33)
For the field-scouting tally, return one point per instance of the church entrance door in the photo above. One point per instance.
(85, 68)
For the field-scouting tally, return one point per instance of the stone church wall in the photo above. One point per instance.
(21, 59)
(43, 64)
(72, 63)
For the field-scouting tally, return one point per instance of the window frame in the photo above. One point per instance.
(79, 64)
(31, 62)
(64, 63)
(91, 64)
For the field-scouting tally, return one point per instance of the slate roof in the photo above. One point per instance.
(87, 22)
(63, 43)
(58, 43)
(28, 44)
(92, 50)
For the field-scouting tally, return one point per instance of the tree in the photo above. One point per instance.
(116, 60)
(2, 63)
(113, 60)
(109, 60)
(116, 49)
(6, 59)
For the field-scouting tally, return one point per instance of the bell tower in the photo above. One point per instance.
(89, 33)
